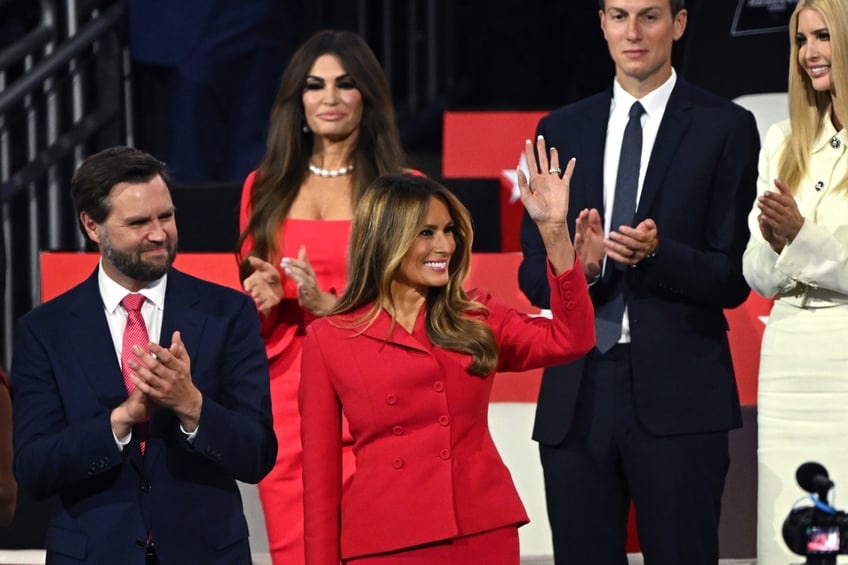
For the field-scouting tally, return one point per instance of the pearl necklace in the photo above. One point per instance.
(331, 172)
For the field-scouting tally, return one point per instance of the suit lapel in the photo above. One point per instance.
(179, 313)
(593, 127)
(100, 365)
(674, 124)
(379, 330)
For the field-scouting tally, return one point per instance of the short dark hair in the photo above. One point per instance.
(98, 174)
(676, 5)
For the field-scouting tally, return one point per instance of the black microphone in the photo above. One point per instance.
(813, 478)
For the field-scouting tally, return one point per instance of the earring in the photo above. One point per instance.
(305, 128)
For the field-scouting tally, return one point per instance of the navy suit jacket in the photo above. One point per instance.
(699, 187)
(67, 379)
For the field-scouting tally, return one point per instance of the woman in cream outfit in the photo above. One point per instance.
(798, 255)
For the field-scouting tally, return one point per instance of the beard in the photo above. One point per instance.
(132, 265)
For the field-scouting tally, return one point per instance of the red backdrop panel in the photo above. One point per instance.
(61, 271)
(482, 144)
(511, 212)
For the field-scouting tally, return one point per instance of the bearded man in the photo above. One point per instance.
(141, 395)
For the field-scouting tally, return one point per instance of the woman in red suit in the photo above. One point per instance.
(332, 132)
(408, 358)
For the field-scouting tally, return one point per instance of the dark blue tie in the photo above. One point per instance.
(608, 315)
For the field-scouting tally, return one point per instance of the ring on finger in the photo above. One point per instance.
(556, 170)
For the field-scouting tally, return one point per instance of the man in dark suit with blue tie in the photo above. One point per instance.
(143, 466)
(668, 172)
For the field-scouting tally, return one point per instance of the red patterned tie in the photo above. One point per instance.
(135, 333)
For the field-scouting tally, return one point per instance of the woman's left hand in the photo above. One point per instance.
(309, 296)
(545, 195)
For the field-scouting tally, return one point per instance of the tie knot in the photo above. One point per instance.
(636, 110)
(132, 302)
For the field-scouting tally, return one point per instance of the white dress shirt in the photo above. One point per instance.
(116, 316)
(654, 104)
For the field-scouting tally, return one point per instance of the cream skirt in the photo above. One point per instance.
(802, 416)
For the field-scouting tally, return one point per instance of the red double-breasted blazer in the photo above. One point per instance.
(426, 466)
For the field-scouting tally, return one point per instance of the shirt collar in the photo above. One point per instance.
(112, 293)
(654, 102)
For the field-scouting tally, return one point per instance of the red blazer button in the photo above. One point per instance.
(398, 463)
(444, 420)
(391, 399)
(397, 430)
(445, 454)
(439, 386)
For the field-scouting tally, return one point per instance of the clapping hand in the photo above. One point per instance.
(164, 375)
(589, 241)
(630, 245)
(780, 220)
(309, 296)
(264, 285)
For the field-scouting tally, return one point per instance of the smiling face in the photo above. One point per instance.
(640, 35)
(425, 264)
(138, 239)
(814, 55)
(331, 102)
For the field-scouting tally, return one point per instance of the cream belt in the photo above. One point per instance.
(807, 296)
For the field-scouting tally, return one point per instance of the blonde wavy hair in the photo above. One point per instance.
(807, 107)
(386, 222)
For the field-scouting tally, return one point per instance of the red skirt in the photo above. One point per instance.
(495, 547)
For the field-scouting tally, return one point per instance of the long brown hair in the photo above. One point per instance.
(285, 164)
(385, 224)
(807, 107)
